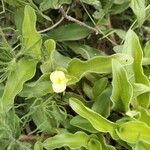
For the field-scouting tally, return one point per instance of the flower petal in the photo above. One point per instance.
(54, 76)
(58, 88)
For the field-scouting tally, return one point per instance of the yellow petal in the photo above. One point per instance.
(58, 88)
(58, 76)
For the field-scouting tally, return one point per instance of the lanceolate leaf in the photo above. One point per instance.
(144, 115)
(24, 70)
(42, 117)
(138, 7)
(31, 39)
(38, 146)
(138, 130)
(94, 144)
(73, 141)
(15, 3)
(92, 2)
(53, 4)
(50, 46)
(38, 88)
(87, 89)
(54, 59)
(141, 145)
(122, 89)
(104, 145)
(140, 89)
(83, 123)
(98, 122)
(69, 32)
(147, 50)
(132, 47)
(102, 104)
(99, 64)
(99, 86)
(85, 51)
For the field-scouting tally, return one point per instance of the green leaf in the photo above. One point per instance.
(138, 131)
(98, 122)
(24, 70)
(82, 123)
(120, 6)
(94, 144)
(42, 116)
(54, 59)
(138, 7)
(99, 86)
(72, 94)
(57, 61)
(47, 65)
(87, 89)
(141, 145)
(19, 146)
(38, 88)
(147, 9)
(146, 61)
(102, 104)
(118, 48)
(144, 115)
(18, 18)
(104, 144)
(85, 51)
(9, 128)
(140, 89)
(59, 114)
(1, 89)
(122, 91)
(60, 60)
(31, 39)
(147, 50)
(15, 3)
(53, 4)
(9, 124)
(47, 115)
(50, 46)
(69, 32)
(99, 64)
(92, 2)
(120, 33)
(38, 146)
(73, 141)
(133, 48)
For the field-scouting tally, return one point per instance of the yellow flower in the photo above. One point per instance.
(59, 81)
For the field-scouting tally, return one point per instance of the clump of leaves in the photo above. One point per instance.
(60, 88)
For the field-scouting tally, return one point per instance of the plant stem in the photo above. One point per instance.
(50, 28)
(28, 138)
(77, 21)
(56, 24)
(3, 6)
